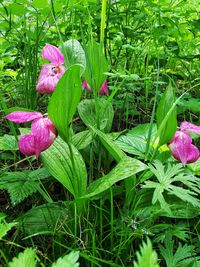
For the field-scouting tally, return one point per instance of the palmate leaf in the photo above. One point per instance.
(69, 260)
(24, 259)
(22, 184)
(166, 176)
(147, 257)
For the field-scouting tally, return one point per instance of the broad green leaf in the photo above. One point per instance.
(169, 128)
(96, 65)
(127, 167)
(74, 54)
(22, 184)
(43, 219)
(8, 142)
(24, 259)
(69, 260)
(109, 144)
(66, 166)
(87, 112)
(64, 101)
(82, 139)
(147, 257)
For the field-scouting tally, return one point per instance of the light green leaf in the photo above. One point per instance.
(147, 257)
(64, 101)
(74, 54)
(82, 139)
(66, 166)
(8, 142)
(87, 112)
(169, 128)
(127, 167)
(69, 260)
(24, 259)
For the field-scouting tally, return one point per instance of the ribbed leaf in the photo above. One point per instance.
(64, 101)
(124, 169)
(87, 112)
(8, 142)
(82, 139)
(66, 166)
(165, 111)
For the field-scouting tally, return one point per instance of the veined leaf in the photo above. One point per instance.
(65, 163)
(87, 112)
(8, 142)
(74, 54)
(24, 259)
(69, 260)
(82, 139)
(127, 167)
(164, 106)
(64, 101)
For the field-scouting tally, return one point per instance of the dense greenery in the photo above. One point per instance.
(107, 191)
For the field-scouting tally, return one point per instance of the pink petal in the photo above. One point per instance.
(26, 144)
(182, 149)
(187, 126)
(51, 70)
(86, 86)
(47, 85)
(104, 89)
(23, 116)
(44, 133)
(53, 54)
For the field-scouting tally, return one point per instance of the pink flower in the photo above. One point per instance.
(181, 145)
(102, 90)
(43, 132)
(50, 73)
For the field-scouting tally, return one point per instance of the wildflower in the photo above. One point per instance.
(181, 145)
(102, 90)
(50, 73)
(42, 135)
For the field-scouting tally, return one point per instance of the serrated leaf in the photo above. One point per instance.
(70, 173)
(24, 259)
(8, 142)
(69, 260)
(64, 101)
(147, 257)
(87, 112)
(4, 228)
(169, 128)
(127, 167)
(22, 184)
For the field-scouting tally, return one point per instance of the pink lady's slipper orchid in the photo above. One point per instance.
(50, 73)
(181, 145)
(42, 135)
(102, 90)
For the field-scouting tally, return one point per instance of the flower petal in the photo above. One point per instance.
(26, 144)
(23, 116)
(187, 126)
(53, 54)
(86, 86)
(47, 85)
(193, 154)
(44, 133)
(104, 89)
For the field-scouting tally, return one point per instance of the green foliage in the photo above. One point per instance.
(96, 65)
(127, 167)
(8, 142)
(82, 139)
(24, 259)
(167, 175)
(22, 184)
(74, 54)
(69, 260)
(65, 163)
(64, 101)
(147, 256)
(88, 113)
(183, 257)
(168, 129)
(4, 226)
